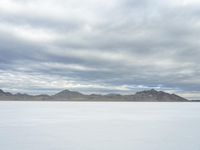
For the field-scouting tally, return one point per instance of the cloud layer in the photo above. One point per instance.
(100, 46)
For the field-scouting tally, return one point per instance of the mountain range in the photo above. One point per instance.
(67, 95)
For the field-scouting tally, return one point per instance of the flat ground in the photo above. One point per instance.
(99, 126)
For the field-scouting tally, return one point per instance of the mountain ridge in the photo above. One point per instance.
(67, 95)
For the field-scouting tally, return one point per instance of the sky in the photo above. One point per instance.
(100, 46)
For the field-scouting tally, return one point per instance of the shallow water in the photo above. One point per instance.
(99, 126)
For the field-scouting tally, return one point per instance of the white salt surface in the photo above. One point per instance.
(99, 126)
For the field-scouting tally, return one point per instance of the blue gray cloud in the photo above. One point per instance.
(100, 46)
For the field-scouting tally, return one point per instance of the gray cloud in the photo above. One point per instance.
(99, 46)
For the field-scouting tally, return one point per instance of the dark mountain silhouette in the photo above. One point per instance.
(153, 95)
(67, 95)
(2, 93)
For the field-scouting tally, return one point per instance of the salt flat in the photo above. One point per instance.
(99, 126)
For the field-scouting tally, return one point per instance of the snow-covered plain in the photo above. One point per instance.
(99, 126)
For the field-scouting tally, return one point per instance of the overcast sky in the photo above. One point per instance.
(100, 46)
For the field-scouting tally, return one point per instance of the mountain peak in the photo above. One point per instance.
(152, 91)
(154, 95)
(2, 93)
(65, 91)
(67, 94)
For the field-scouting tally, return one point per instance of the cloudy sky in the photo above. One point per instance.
(100, 46)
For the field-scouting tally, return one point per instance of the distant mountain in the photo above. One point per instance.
(67, 95)
(160, 96)
(195, 100)
(2, 93)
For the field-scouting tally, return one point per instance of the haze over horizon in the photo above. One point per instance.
(99, 46)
